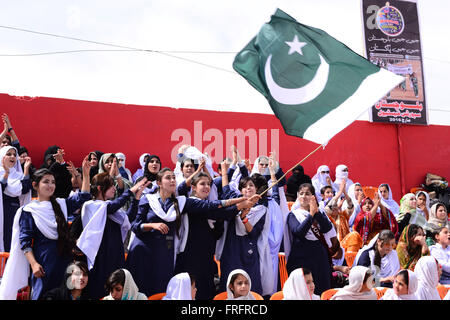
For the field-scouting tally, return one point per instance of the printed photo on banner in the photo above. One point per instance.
(392, 42)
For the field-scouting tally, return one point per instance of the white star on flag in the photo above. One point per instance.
(295, 45)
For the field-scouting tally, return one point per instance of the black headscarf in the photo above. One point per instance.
(48, 155)
(151, 176)
(295, 180)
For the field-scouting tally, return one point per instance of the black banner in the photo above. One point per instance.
(392, 41)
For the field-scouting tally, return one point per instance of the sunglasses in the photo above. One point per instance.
(324, 171)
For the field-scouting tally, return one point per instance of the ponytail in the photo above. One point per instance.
(177, 209)
(65, 242)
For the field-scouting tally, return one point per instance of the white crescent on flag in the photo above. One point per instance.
(301, 95)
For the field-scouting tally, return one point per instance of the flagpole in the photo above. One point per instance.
(276, 182)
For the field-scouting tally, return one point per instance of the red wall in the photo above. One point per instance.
(370, 150)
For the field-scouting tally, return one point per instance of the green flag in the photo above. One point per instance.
(315, 85)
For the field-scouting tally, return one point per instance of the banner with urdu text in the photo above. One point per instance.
(392, 42)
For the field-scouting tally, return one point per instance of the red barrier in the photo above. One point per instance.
(370, 150)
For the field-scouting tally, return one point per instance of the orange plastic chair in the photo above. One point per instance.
(157, 296)
(290, 203)
(3, 257)
(369, 191)
(218, 266)
(350, 257)
(380, 292)
(415, 189)
(442, 290)
(223, 296)
(282, 268)
(328, 294)
(277, 296)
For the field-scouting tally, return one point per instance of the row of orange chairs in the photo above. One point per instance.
(326, 295)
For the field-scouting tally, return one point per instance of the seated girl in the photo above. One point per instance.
(239, 286)
(121, 286)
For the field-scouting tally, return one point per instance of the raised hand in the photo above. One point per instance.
(139, 187)
(59, 156)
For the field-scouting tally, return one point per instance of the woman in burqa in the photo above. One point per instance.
(295, 180)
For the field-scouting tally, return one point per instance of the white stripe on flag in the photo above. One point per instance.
(370, 91)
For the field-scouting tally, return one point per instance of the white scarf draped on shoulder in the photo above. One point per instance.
(170, 216)
(17, 268)
(93, 218)
(13, 188)
(265, 258)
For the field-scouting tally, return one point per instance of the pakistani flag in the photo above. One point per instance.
(315, 85)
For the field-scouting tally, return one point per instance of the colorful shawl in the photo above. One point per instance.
(407, 256)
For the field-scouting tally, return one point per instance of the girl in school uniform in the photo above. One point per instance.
(239, 286)
(245, 243)
(105, 227)
(41, 238)
(197, 258)
(306, 227)
(161, 233)
(14, 183)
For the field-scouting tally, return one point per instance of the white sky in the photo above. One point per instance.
(145, 78)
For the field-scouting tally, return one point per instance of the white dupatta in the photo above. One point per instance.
(17, 270)
(170, 216)
(93, 218)
(13, 188)
(389, 203)
(230, 294)
(265, 258)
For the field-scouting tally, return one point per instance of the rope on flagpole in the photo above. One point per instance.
(276, 182)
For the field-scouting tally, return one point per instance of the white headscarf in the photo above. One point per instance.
(14, 187)
(319, 180)
(142, 160)
(352, 290)
(130, 289)
(17, 268)
(413, 284)
(356, 206)
(426, 271)
(341, 175)
(427, 202)
(390, 202)
(93, 217)
(179, 288)
(230, 295)
(255, 169)
(295, 287)
(121, 156)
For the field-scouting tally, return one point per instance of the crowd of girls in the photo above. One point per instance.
(103, 232)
